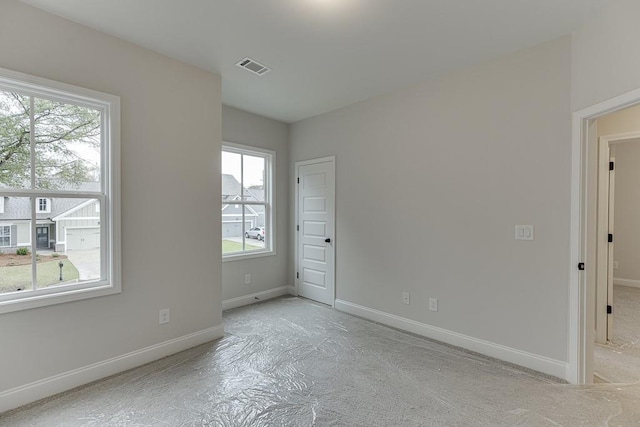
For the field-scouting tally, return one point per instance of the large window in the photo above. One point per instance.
(247, 195)
(58, 162)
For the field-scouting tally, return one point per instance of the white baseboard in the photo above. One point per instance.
(37, 390)
(292, 291)
(536, 362)
(255, 297)
(626, 282)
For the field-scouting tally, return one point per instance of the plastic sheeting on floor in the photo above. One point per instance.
(291, 362)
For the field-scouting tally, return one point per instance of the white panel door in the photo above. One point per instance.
(315, 247)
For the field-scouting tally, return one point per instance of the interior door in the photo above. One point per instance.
(315, 231)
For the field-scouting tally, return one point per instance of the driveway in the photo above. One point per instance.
(87, 262)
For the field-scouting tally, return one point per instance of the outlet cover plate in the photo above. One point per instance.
(406, 298)
(433, 304)
(164, 316)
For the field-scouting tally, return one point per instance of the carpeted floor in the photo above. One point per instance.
(619, 361)
(291, 362)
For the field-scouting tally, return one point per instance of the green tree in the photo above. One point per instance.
(65, 137)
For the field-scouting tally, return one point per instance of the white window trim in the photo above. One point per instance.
(48, 205)
(111, 280)
(270, 198)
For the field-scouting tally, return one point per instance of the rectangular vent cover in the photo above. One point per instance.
(253, 66)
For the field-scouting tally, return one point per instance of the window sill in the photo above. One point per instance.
(43, 300)
(240, 257)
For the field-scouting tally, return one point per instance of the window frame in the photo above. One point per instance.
(269, 201)
(110, 281)
(47, 205)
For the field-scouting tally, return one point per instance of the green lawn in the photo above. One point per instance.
(231, 246)
(19, 276)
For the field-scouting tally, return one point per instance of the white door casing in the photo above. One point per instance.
(315, 231)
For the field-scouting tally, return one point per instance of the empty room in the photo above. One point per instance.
(319, 212)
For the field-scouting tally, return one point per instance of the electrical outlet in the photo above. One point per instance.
(615, 264)
(247, 279)
(164, 316)
(433, 304)
(405, 298)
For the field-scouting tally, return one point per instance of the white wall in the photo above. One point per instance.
(430, 183)
(266, 272)
(171, 132)
(605, 55)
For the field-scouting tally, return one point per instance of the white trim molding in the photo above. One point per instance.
(528, 360)
(28, 393)
(626, 282)
(228, 304)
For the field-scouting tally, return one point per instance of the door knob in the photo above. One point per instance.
(327, 240)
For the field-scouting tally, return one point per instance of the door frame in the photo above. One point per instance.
(299, 164)
(583, 235)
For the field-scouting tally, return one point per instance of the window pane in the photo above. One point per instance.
(255, 232)
(15, 245)
(72, 240)
(253, 178)
(68, 142)
(231, 229)
(231, 177)
(15, 148)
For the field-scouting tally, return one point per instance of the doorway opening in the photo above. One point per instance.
(617, 302)
(604, 193)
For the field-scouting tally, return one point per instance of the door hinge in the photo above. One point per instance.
(610, 238)
(298, 180)
(297, 228)
(609, 309)
(581, 266)
(297, 275)
(611, 166)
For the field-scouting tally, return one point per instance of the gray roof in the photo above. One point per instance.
(19, 208)
(231, 189)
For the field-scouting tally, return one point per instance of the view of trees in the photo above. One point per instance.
(67, 142)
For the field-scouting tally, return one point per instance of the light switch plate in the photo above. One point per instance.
(524, 232)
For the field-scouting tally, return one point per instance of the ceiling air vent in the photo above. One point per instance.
(253, 66)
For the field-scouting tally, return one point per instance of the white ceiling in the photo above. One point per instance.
(325, 54)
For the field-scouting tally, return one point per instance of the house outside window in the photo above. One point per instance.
(5, 236)
(60, 150)
(247, 202)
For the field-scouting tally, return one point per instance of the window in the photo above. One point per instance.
(5, 236)
(247, 202)
(43, 205)
(60, 151)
